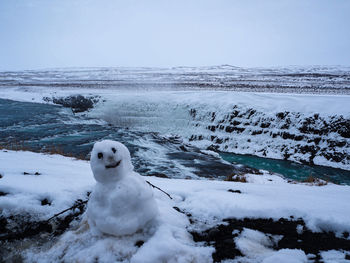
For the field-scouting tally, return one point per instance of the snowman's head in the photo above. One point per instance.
(110, 161)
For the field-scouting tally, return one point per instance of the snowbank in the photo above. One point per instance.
(63, 180)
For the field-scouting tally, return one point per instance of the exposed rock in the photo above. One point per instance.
(257, 132)
(234, 191)
(265, 125)
(222, 237)
(282, 115)
(45, 201)
(77, 103)
(316, 135)
(231, 129)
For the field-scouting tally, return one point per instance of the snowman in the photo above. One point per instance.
(121, 203)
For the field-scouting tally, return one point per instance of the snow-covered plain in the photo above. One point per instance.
(62, 180)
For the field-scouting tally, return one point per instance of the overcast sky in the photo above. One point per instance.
(65, 33)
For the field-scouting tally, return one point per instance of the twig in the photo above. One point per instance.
(70, 208)
(159, 189)
(84, 202)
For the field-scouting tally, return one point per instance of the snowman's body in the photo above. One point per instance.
(122, 203)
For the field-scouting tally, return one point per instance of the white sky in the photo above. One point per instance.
(66, 33)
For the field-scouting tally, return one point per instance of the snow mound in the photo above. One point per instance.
(257, 247)
(65, 180)
(29, 178)
(169, 241)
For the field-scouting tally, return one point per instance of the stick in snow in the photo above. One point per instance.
(159, 189)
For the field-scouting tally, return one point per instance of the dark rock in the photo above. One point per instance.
(77, 103)
(213, 233)
(231, 129)
(250, 113)
(257, 132)
(1, 176)
(193, 113)
(178, 209)
(37, 173)
(3, 224)
(234, 114)
(282, 115)
(286, 135)
(213, 148)
(211, 128)
(332, 143)
(311, 243)
(235, 123)
(265, 125)
(317, 140)
(298, 137)
(344, 128)
(286, 155)
(347, 256)
(219, 141)
(139, 243)
(45, 202)
(285, 126)
(25, 173)
(3, 193)
(234, 191)
(274, 135)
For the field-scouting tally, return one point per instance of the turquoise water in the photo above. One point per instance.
(39, 126)
(289, 169)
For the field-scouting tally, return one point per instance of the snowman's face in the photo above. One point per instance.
(110, 161)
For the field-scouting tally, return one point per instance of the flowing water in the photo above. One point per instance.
(155, 151)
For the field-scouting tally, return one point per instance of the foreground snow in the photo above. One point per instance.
(63, 180)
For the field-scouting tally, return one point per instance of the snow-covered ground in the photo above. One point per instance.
(63, 180)
(311, 79)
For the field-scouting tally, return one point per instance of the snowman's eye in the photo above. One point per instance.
(114, 150)
(100, 155)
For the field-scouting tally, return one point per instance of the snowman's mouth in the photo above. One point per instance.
(113, 165)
